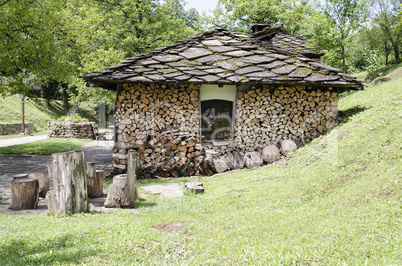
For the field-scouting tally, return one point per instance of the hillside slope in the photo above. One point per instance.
(336, 201)
(36, 111)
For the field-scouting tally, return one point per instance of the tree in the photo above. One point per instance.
(242, 14)
(58, 40)
(34, 41)
(345, 16)
(124, 29)
(387, 20)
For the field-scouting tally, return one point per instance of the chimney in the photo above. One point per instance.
(265, 32)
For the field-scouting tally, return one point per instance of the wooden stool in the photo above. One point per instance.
(24, 193)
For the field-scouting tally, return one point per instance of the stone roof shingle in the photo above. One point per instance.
(225, 57)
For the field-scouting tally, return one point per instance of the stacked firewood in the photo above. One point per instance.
(172, 153)
(268, 116)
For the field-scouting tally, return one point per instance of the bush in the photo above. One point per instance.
(372, 62)
(74, 118)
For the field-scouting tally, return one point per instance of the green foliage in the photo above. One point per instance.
(34, 40)
(344, 17)
(372, 61)
(75, 117)
(241, 15)
(57, 40)
(45, 147)
(387, 19)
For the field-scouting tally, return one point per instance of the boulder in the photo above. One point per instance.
(287, 146)
(271, 154)
(253, 159)
(218, 165)
(381, 80)
(234, 161)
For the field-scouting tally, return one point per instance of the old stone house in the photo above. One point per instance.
(219, 90)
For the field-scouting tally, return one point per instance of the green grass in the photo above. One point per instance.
(336, 201)
(46, 146)
(36, 111)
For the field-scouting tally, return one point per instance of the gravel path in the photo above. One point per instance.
(23, 140)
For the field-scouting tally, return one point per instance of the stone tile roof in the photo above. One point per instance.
(225, 57)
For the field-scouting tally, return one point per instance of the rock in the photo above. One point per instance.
(218, 165)
(172, 190)
(252, 159)
(287, 146)
(381, 80)
(271, 154)
(234, 161)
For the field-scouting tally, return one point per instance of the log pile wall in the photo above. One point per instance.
(144, 111)
(266, 116)
(163, 124)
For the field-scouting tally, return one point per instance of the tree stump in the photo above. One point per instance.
(95, 185)
(95, 181)
(69, 173)
(194, 187)
(20, 176)
(123, 191)
(24, 194)
(43, 180)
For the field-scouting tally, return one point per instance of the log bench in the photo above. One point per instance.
(24, 193)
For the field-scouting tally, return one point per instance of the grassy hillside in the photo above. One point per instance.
(392, 71)
(36, 111)
(335, 201)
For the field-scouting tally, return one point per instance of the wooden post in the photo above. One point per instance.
(69, 173)
(131, 182)
(43, 180)
(22, 115)
(24, 194)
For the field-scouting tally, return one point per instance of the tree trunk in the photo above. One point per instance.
(386, 53)
(24, 194)
(396, 52)
(343, 59)
(69, 173)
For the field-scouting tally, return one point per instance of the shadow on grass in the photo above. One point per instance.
(345, 115)
(57, 250)
(143, 203)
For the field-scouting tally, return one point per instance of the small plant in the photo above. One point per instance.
(372, 62)
(74, 118)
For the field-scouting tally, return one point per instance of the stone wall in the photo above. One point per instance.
(13, 129)
(143, 112)
(67, 129)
